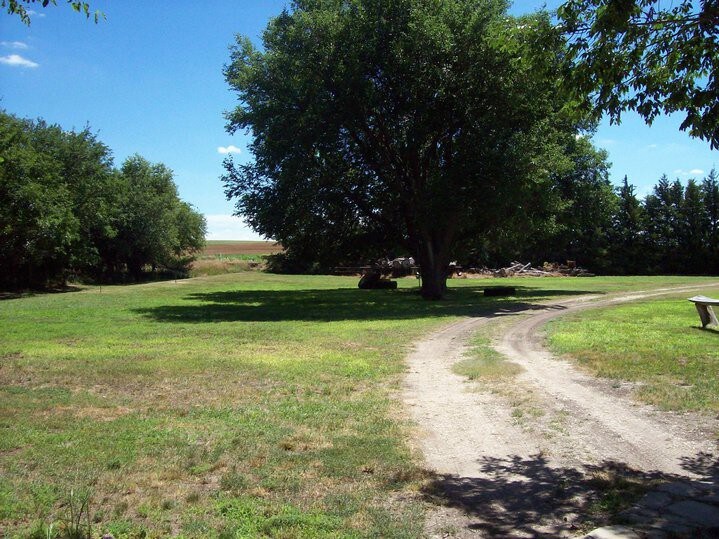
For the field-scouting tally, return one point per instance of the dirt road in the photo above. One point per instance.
(500, 474)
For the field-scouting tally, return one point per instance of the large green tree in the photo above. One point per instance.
(568, 220)
(155, 227)
(415, 124)
(583, 212)
(710, 198)
(664, 226)
(649, 56)
(39, 230)
(629, 246)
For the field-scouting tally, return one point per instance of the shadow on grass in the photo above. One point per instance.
(342, 304)
(12, 294)
(528, 497)
(707, 330)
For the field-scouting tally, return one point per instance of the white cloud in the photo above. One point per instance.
(229, 227)
(14, 44)
(228, 149)
(687, 173)
(34, 13)
(607, 142)
(17, 61)
(652, 146)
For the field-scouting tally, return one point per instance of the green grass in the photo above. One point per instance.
(657, 343)
(483, 363)
(210, 265)
(240, 405)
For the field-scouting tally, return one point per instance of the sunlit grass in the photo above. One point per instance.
(657, 343)
(230, 406)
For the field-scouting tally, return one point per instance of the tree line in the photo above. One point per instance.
(673, 230)
(68, 212)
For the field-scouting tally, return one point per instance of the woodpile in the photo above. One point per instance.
(520, 269)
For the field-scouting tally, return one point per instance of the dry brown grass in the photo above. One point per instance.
(241, 248)
(213, 266)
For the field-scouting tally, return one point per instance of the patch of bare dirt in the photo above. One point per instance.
(498, 475)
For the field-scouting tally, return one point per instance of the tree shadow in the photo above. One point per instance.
(704, 465)
(342, 304)
(16, 294)
(528, 497)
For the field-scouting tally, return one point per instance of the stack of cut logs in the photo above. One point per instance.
(526, 270)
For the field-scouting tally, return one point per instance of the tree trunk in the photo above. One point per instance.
(134, 269)
(433, 270)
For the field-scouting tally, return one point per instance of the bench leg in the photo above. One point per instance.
(712, 317)
(707, 316)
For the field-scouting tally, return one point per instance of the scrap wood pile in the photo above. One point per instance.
(519, 269)
(378, 275)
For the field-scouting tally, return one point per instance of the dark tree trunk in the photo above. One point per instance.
(134, 269)
(433, 262)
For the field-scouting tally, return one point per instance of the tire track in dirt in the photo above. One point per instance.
(603, 426)
(458, 426)
(502, 475)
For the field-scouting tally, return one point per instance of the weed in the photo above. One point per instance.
(76, 523)
(120, 508)
(143, 510)
(42, 531)
(193, 497)
(234, 481)
(617, 491)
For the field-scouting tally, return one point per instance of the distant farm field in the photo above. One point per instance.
(226, 247)
(241, 405)
(220, 257)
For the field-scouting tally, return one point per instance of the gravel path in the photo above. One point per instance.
(499, 476)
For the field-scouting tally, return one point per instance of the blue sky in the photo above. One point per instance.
(148, 80)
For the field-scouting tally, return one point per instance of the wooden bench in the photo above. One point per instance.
(704, 307)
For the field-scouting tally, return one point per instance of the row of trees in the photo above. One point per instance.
(67, 211)
(673, 230)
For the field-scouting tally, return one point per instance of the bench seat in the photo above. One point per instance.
(704, 308)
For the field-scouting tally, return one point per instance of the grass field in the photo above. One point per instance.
(658, 343)
(225, 256)
(241, 405)
(240, 248)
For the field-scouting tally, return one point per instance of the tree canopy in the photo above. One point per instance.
(649, 56)
(67, 211)
(399, 124)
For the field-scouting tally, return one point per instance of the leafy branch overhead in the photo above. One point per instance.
(21, 8)
(649, 56)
